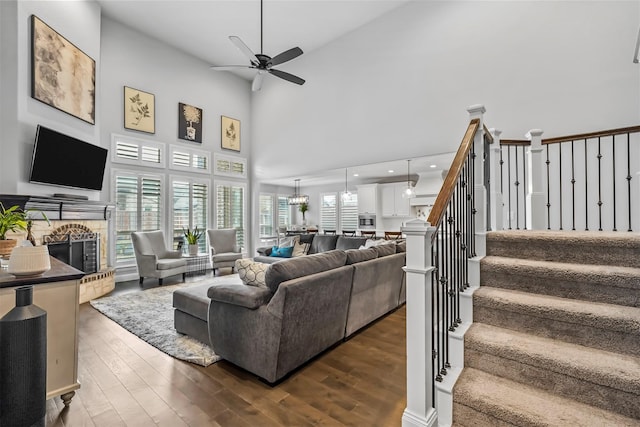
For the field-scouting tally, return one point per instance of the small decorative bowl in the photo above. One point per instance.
(29, 260)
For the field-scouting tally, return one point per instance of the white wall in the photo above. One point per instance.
(77, 21)
(398, 87)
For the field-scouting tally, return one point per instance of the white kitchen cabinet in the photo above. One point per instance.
(368, 199)
(393, 204)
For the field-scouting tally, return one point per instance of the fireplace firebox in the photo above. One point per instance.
(79, 250)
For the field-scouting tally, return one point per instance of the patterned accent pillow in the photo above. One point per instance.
(252, 273)
(300, 249)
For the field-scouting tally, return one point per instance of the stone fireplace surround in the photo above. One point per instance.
(70, 215)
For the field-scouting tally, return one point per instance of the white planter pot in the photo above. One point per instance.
(193, 249)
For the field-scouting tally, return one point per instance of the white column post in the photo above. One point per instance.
(497, 205)
(419, 411)
(536, 190)
(480, 192)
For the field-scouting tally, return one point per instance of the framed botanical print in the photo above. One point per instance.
(189, 122)
(62, 75)
(139, 110)
(230, 133)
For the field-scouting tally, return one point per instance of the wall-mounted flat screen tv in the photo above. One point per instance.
(59, 159)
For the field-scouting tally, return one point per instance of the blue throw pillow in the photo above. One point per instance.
(282, 252)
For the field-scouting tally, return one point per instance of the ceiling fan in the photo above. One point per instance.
(263, 63)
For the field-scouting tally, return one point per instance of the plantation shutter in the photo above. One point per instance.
(284, 211)
(349, 212)
(230, 209)
(328, 211)
(266, 215)
(180, 209)
(190, 210)
(199, 205)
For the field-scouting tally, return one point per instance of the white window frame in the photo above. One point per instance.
(214, 221)
(232, 159)
(273, 213)
(191, 152)
(336, 217)
(162, 207)
(202, 243)
(140, 144)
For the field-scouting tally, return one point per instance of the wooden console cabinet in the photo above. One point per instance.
(56, 292)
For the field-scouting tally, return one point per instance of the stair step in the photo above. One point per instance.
(604, 326)
(482, 399)
(595, 377)
(597, 283)
(581, 247)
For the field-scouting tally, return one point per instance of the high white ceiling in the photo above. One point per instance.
(202, 27)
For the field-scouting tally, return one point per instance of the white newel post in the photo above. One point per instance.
(536, 191)
(480, 192)
(419, 411)
(497, 206)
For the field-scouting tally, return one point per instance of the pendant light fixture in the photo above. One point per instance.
(297, 198)
(346, 195)
(409, 192)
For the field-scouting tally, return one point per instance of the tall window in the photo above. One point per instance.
(189, 208)
(328, 211)
(266, 215)
(230, 208)
(284, 211)
(138, 205)
(349, 212)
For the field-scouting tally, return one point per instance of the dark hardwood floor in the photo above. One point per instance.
(127, 382)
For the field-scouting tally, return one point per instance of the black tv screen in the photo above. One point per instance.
(59, 159)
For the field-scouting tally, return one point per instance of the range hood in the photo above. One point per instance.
(428, 187)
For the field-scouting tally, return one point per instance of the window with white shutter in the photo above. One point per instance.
(284, 211)
(138, 206)
(349, 212)
(328, 211)
(189, 159)
(230, 208)
(135, 151)
(266, 215)
(227, 165)
(190, 208)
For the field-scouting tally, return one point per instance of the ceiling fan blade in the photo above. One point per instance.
(286, 56)
(257, 81)
(286, 76)
(244, 49)
(228, 67)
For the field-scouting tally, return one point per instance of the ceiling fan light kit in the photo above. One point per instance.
(263, 63)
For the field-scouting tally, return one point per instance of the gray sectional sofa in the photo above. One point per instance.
(317, 243)
(309, 304)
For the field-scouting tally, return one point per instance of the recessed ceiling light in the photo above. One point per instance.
(433, 166)
(391, 171)
(356, 174)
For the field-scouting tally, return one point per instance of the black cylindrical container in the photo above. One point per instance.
(23, 363)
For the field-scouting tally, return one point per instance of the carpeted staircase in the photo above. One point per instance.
(556, 333)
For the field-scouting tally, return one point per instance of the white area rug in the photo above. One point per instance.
(149, 315)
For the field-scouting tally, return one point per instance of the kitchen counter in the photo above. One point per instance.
(59, 272)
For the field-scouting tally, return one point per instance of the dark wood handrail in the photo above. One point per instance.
(602, 133)
(446, 192)
(515, 142)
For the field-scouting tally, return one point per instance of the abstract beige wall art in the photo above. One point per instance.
(230, 133)
(62, 75)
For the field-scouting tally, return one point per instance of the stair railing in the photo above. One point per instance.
(439, 270)
(585, 181)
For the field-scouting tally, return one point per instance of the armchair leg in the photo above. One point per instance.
(141, 279)
(159, 282)
(184, 275)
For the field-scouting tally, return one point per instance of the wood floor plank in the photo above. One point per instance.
(127, 382)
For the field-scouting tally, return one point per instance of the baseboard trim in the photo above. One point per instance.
(411, 419)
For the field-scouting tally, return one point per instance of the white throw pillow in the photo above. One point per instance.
(300, 249)
(252, 273)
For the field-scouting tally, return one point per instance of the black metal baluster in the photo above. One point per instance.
(517, 184)
(586, 192)
(443, 299)
(501, 172)
(573, 190)
(465, 223)
(613, 162)
(560, 180)
(524, 185)
(472, 182)
(434, 322)
(509, 182)
(548, 192)
(629, 180)
(599, 185)
(440, 243)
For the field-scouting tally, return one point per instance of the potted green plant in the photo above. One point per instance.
(13, 220)
(303, 207)
(192, 237)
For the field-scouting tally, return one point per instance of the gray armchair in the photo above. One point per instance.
(153, 257)
(224, 249)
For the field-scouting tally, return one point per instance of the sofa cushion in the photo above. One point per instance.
(307, 238)
(345, 242)
(401, 246)
(193, 300)
(281, 252)
(360, 255)
(250, 297)
(385, 249)
(303, 266)
(226, 256)
(251, 273)
(323, 243)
